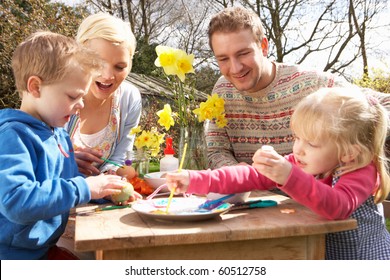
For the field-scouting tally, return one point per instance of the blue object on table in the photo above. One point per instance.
(210, 204)
(255, 204)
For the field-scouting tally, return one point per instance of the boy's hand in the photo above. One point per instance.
(178, 181)
(272, 165)
(104, 185)
(132, 198)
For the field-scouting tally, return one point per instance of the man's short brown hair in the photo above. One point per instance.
(236, 19)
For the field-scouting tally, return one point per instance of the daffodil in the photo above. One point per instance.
(174, 61)
(221, 121)
(178, 64)
(184, 64)
(166, 117)
(135, 130)
(166, 58)
(212, 109)
(148, 140)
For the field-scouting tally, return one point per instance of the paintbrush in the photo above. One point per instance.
(114, 163)
(179, 170)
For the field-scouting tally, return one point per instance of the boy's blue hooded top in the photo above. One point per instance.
(38, 185)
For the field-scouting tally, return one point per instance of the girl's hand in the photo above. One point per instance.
(272, 165)
(85, 157)
(178, 181)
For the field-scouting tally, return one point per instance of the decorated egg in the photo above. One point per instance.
(124, 195)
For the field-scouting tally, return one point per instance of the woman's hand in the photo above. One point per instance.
(272, 165)
(85, 157)
(178, 181)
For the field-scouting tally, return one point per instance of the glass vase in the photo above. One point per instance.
(196, 153)
(140, 160)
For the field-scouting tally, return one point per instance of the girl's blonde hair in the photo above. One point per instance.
(49, 56)
(108, 27)
(235, 19)
(347, 117)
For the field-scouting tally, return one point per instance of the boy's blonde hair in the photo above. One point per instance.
(235, 19)
(347, 117)
(49, 56)
(108, 27)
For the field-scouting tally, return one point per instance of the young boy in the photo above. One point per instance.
(39, 177)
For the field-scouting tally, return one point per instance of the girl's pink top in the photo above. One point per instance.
(332, 202)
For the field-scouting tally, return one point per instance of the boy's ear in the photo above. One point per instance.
(34, 84)
(351, 155)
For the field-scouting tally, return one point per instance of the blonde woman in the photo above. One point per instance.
(112, 106)
(338, 169)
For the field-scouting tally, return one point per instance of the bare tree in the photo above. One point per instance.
(300, 30)
(102, 6)
(191, 34)
(364, 11)
(149, 19)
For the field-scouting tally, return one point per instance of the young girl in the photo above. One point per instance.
(338, 169)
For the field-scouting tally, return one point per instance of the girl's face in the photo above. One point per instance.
(316, 157)
(57, 101)
(116, 67)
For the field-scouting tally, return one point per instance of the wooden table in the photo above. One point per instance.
(262, 233)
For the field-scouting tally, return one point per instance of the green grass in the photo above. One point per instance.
(388, 224)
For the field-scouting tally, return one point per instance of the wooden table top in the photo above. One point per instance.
(124, 228)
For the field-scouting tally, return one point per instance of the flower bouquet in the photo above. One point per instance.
(176, 65)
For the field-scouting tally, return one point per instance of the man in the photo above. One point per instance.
(260, 95)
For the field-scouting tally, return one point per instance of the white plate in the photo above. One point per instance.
(181, 209)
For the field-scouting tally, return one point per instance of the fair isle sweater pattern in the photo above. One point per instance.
(263, 117)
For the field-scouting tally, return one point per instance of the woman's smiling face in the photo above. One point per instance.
(116, 67)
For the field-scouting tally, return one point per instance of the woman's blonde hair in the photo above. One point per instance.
(108, 27)
(235, 19)
(49, 56)
(347, 117)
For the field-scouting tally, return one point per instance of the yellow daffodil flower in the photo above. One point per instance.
(212, 109)
(174, 61)
(184, 64)
(221, 121)
(135, 130)
(148, 140)
(166, 58)
(165, 117)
